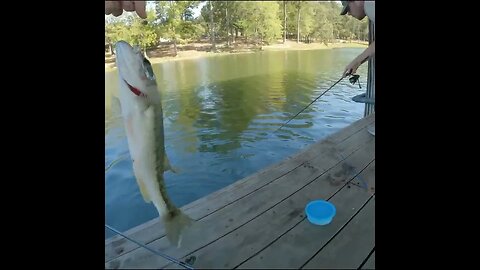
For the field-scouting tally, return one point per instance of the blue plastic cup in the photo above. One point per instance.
(320, 212)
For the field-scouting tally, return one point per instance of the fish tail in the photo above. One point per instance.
(175, 224)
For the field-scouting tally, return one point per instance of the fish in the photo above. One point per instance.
(141, 110)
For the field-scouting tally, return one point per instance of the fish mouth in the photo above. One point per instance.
(135, 90)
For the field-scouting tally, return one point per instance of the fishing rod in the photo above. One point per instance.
(150, 249)
(352, 80)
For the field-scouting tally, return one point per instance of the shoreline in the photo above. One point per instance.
(288, 46)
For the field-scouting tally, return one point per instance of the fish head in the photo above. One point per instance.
(138, 88)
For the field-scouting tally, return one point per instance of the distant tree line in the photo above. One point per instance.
(262, 22)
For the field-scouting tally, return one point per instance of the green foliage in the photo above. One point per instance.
(259, 21)
(133, 30)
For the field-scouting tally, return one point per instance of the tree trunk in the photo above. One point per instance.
(298, 23)
(228, 25)
(212, 30)
(284, 21)
(175, 46)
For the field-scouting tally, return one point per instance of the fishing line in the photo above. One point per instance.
(352, 80)
(150, 249)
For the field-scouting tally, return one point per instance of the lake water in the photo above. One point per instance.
(220, 114)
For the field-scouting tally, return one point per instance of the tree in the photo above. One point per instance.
(284, 21)
(298, 7)
(133, 30)
(175, 21)
(212, 29)
(307, 24)
(258, 20)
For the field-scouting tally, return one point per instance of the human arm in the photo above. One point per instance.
(359, 60)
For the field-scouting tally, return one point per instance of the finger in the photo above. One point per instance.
(113, 7)
(140, 8)
(128, 5)
(117, 12)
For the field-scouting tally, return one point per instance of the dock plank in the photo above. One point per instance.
(370, 263)
(366, 183)
(349, 249)
(153, 230)
(237, 247)
(297, 246)
(222, 221)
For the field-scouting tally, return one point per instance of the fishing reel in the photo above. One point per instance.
(354, 79)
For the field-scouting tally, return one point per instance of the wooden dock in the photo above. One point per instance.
(259, 221)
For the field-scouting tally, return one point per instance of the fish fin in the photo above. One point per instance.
(116, 106)
(167, 166)
(115, 115)
(175, 224)
(115, 162)
(115, 119)
(143, 191)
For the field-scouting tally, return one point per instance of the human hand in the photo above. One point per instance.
(116, 8)
(351, 68)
